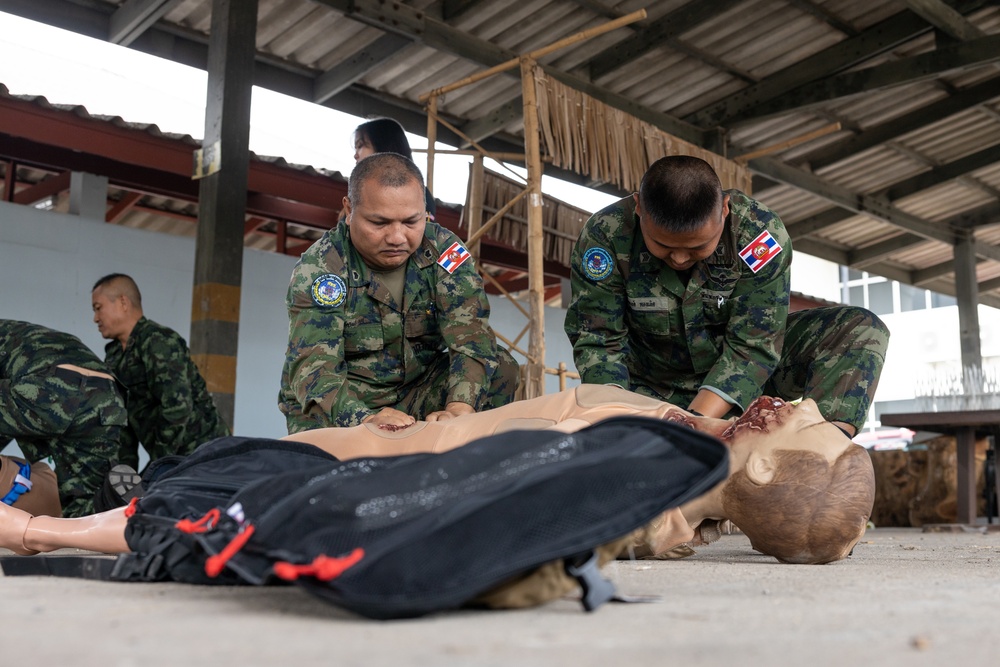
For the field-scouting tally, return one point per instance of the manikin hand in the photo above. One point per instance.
(390, 418)
(452, 410)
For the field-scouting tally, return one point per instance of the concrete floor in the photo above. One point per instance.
(905, 598)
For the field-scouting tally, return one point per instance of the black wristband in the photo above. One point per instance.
(695, 413)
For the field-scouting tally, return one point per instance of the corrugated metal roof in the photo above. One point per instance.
(772, 51)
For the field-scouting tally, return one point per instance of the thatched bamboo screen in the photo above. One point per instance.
(591, 138)
(561, 223)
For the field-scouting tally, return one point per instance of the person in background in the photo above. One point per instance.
(384, 135)
(169, 408)
(57, 399)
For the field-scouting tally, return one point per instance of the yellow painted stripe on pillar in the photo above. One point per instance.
(215, 301)
(218, 370)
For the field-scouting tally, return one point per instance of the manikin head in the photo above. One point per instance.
(117, 306)
(799, 489)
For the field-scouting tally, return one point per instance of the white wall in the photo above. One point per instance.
(49, 262)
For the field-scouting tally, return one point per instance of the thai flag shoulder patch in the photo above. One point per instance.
(760, 251)
(453, 257)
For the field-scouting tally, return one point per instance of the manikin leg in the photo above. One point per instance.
(25, 535)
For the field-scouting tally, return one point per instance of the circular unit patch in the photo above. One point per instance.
(329, 290)
(597, 263)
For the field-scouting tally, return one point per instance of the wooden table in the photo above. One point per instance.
(965, 425)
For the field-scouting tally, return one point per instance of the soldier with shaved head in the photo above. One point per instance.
(680, 292)
(169, 408)
(388, 318)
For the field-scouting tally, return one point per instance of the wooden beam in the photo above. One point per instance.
(495, 120)
(222, 200)
(134, 17)
(824, 15)
(876, 252)
(455, 9)
(876, 40)
(665, 31)
(9, 180)
(408, 21)
(121, 207)
(355, 67)
(864, 256)
(988, 214)
(877, 207)
(48, 187)
(897, 127)
(944, 173)
(962, 56)
(946, 19)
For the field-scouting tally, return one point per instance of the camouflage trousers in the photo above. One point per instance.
(430, 393)
(76, 419)
(833, 355)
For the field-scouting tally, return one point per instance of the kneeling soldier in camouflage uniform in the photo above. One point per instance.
(680, 292)
(388, 319)
(170, 410)
(58, 399)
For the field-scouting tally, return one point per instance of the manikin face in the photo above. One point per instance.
(681, 251)
(771, 424)
(111, 314)
(362, 147)
(388, 223)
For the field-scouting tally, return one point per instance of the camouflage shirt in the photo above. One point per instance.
(352, 349)
(31, 349)
(169, 408)
(635, 323)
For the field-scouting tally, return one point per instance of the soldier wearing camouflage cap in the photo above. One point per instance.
(388, 318)
(169, 408)
(680, 292)
(57, 399)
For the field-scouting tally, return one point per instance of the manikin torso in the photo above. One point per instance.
(566, 411)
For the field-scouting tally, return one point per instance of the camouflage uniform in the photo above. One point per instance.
(635, 323)
(353, 350)
(74, 418)
(169, 408)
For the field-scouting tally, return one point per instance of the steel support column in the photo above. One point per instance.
(215, 306)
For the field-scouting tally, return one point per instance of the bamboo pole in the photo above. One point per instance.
(548, 230)
(788, 143)
(502, 156)
(562, 376)
(432, 106)
(472, 143)
(536, 277)
(637, 15)
(506, 293)
(473, 238)
(475, 204)
(512, 346)
(525, 329)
